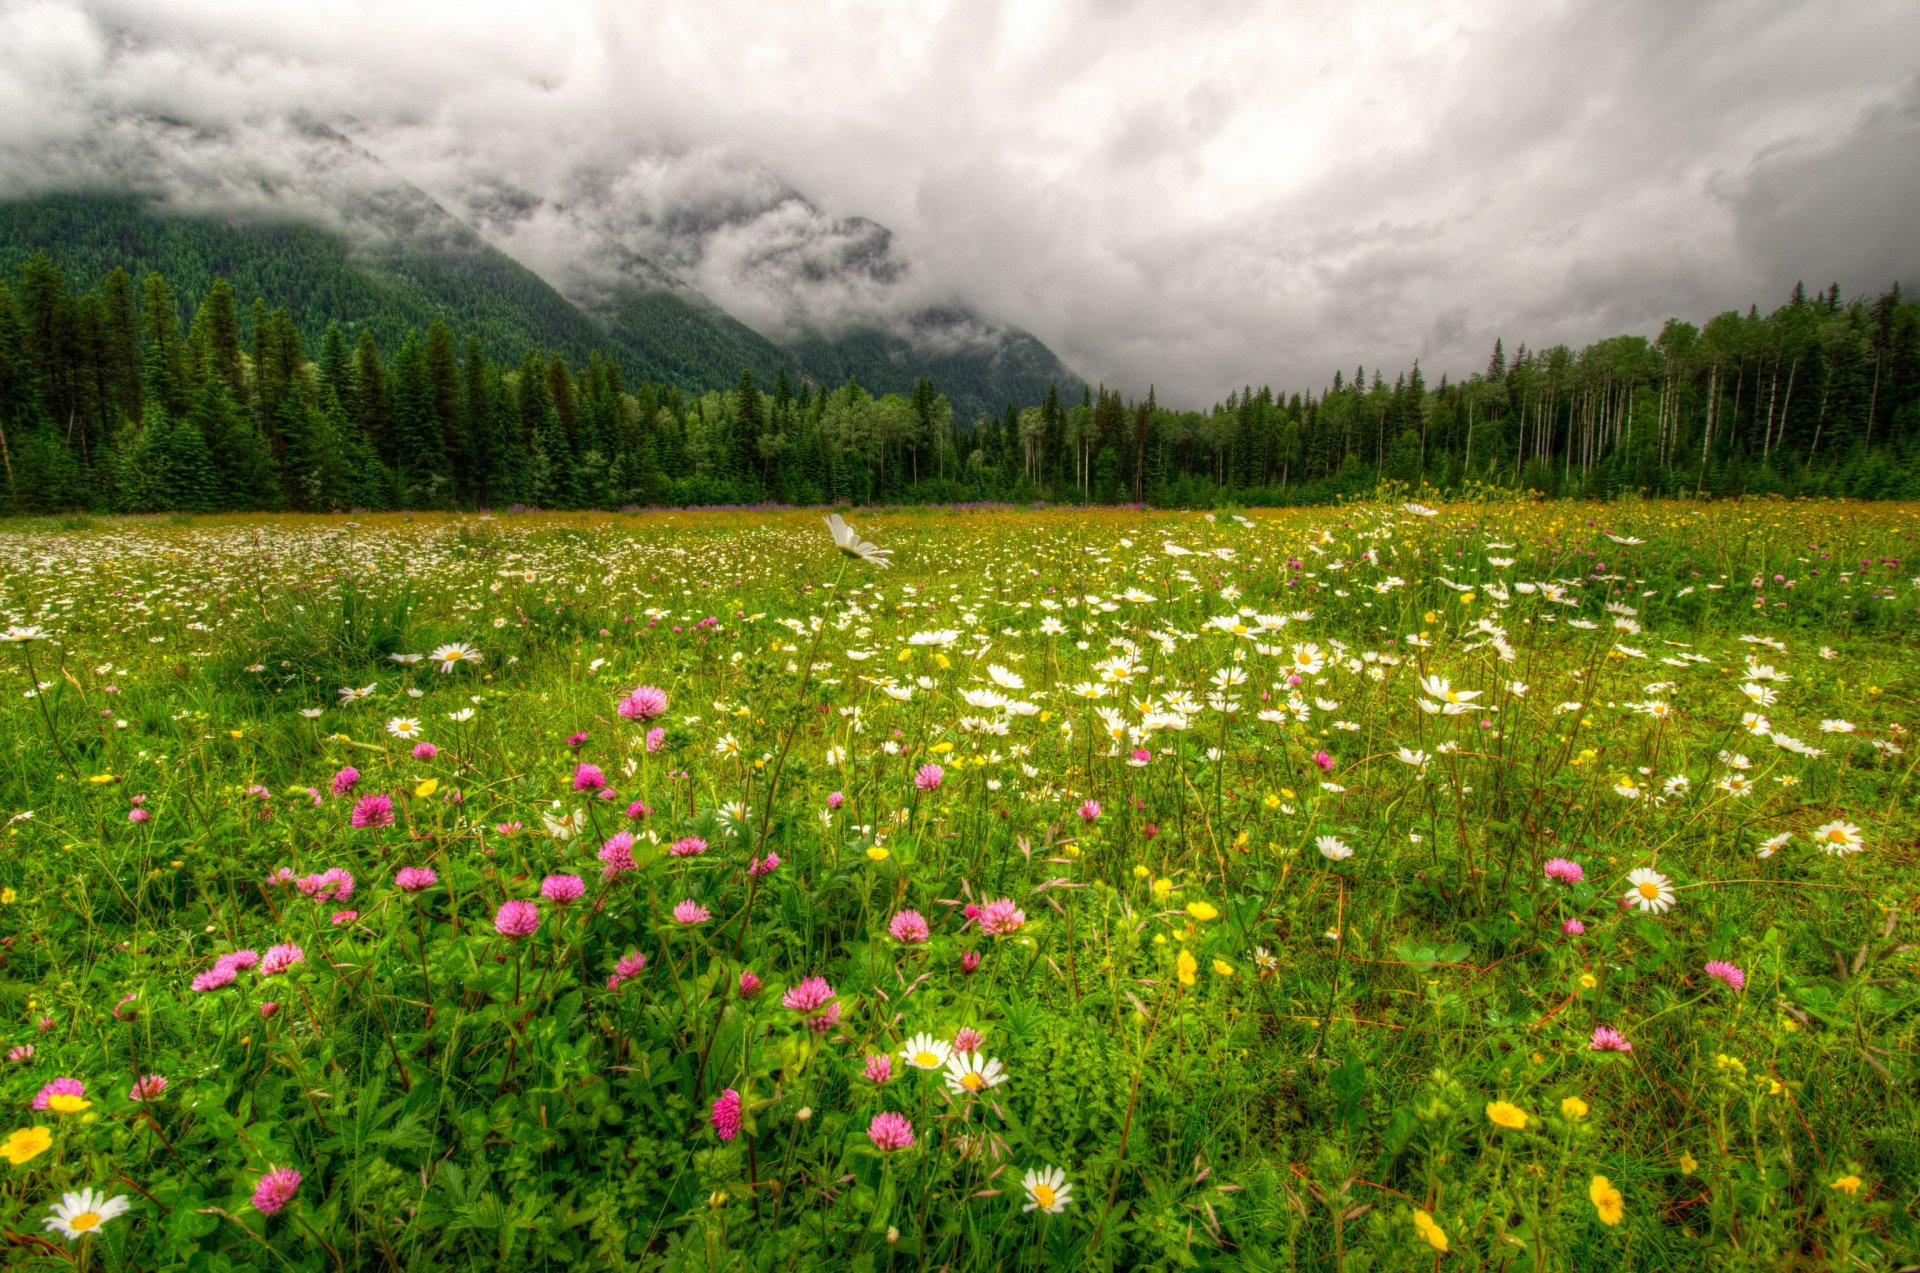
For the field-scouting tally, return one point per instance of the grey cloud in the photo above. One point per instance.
(1194, 197)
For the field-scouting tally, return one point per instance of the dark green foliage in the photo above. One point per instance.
(106, 405)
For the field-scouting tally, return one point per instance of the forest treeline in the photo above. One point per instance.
(116, 399)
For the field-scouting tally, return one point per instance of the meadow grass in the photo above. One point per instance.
(1506, 884)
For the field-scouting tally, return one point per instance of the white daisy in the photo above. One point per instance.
(78, 1214)
(1837, 838)
(924, 1052)
(1332, 847)
(1651, 890)
(1047, 1190)
(453, 653)
(971, 1072)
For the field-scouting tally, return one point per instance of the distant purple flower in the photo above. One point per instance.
(764, 866)
(910, 927)
(344, 780)
(725, 1115)
(879, 1067)
(691, 912)
(373, 812)
(516, 919)
(639, 809)
(425, 751)
(691, 846)
(240, 960)
(644, 703)
(890, 1131)
(967, 1039)
(588, 778)
(330, 885)
(416, 879)
(1608, 1039)
(1566, 872)
(139, 815)
(577, 740)
(275, 1190)
(970, 962)
(561, 889)
(148, 1088)
(344, 917)
(1323, 760)
(1721, 970)
(656, 739)
(749, 984)
(631, 964)
(1089, 811)
(808, 995)
(280, 958)
(1573, 928)
(1001, 917)
(617, 854)
(835, 800)
(929, 777)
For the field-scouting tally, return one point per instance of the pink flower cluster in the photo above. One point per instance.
(1001, 917)
(617, 855)
(1721, 970)
(725, 1114)
(371, 813)
(416, 879)
(330, 885)
(910, 927)
(629, 965)
(275, 1190)
(562, 889)
(815, 996)
(225, 969)
(643, 702)
(516, 919)
(1564, 871)
(890, 1131)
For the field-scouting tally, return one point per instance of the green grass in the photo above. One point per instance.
(1319, 1070)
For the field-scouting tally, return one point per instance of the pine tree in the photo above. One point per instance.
(217, 327)
(447, 414)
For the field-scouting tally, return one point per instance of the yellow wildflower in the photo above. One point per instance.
(427, 788)
(1574, 1108)
(1430, 1231)
(25, 1145)
(1202, 911)
(1849, 1185)
(1606, 1200)
(1187, 965)
(1507, 1114)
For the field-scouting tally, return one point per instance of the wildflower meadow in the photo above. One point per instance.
(1392, 886)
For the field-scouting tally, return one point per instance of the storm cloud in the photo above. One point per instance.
(1190, 196)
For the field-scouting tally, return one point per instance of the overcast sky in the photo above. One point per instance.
(1194, 195)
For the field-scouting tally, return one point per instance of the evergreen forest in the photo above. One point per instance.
(120, 394)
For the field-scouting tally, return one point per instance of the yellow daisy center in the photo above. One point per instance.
(926, 1060)
(1836, 837)
(973, 1082)
(1043, 1194)
(85, 1220)
(1649, 890)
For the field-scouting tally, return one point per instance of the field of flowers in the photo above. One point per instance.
(1513, 885)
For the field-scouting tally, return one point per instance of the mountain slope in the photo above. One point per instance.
(389, 289)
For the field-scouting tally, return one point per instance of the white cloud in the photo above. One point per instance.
(1195, 196)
